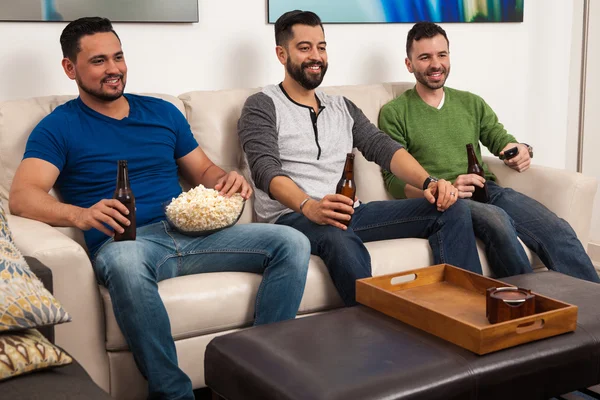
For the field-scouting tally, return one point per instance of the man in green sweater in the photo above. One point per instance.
(435, 123)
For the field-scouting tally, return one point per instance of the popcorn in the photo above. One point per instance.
(202, 209)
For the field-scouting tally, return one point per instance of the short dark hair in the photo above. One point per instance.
(72, 34)
(423, 30)
(284, 24)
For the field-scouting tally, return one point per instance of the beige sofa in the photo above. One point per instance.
(204, 306)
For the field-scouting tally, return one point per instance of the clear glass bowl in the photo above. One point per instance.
(204, 232)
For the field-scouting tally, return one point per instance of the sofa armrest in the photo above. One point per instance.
(570, 195)
(75, 287)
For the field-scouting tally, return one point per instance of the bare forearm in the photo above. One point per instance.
(405, 167)
(211, 176)
(412, 192)
(333, 209)
(197, 169)
(284, 190)
(34, 203)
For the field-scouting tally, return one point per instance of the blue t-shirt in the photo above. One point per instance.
(85, 146)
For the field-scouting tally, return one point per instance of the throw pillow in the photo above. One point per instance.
(26, 351)
(24, 302)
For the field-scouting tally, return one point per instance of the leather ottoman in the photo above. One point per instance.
(359, 353)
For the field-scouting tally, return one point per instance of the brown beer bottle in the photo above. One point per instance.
(346, 185)
(480, 194)
(124, 194)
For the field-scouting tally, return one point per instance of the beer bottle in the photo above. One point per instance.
(480, 194)
(346, 185)
(124, 194)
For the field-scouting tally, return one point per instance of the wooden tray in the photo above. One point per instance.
(449, 302)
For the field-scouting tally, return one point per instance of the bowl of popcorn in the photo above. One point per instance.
(201, 211)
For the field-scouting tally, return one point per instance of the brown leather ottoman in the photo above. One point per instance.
(359, 353)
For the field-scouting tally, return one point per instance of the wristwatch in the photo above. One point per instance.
(428, 180)
(530, 149)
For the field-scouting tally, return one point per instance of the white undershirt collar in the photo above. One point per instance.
(439, 107)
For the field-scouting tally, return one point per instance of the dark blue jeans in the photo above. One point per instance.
(510, 214)
(131, 271)
(450, 236)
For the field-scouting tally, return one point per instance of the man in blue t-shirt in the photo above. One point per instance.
(76, 149)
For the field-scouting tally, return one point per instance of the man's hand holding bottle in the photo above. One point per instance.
(465, 185)
(106, 212)
(330, 210)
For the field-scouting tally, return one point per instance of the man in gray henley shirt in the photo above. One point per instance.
(296, 140)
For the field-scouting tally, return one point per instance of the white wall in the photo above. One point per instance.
(521, 69)
(571, 143)
(591, 139)
(591, 123)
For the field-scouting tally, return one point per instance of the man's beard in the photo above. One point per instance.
(422, 78)
(306, 80)
(100, 95)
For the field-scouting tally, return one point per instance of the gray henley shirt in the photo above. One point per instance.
(283, 138)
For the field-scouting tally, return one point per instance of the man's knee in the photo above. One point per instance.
(292, 238)
(285, 242)
(458, 211)
(119, 260)
(294, 243)
(560, 225)
(496, 218)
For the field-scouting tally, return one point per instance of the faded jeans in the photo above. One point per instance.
(450, 235)
(131, 270)
(510, 214)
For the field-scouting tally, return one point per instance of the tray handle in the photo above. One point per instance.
(530, 326)
(406, 279)
(402, 279)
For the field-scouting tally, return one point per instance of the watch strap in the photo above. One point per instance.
(428, 180)
(529, 149)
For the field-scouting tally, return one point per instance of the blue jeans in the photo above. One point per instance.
(131, 270)
(450, 236)
(510, 214)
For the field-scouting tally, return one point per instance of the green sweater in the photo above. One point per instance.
(438, 138)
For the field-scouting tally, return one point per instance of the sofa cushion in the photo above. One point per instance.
(24, 301)
(370, 99)
(17, 120)
(213, 117)
(206, 303)
(196, 304)
(27, 351)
